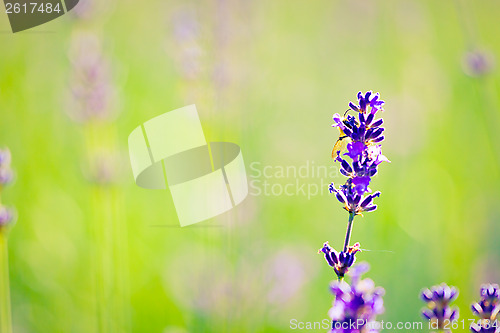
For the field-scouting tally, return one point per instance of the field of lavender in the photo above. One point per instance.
(84, 249)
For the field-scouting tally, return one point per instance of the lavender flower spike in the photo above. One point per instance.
(92, 90)
(357, 305)
(488, 310)
(6, 217)
(438, 299)
(364, 135)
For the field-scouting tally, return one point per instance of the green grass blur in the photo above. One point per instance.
(288, 66)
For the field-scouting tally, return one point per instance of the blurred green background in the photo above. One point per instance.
(92, 251)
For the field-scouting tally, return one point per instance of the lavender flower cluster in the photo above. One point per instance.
(6, 177)
(365, 134)
(92, 89)
(340, 261)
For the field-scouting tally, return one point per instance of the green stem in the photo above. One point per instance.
(5, 311)
(348, 232)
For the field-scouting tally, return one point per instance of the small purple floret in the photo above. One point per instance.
(340, 261)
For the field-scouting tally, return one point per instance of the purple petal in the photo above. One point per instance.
(355, 149)
(346, 166)
(341, 197)
(378, 122)
(367, 95)
(362, 118)
(338, 121)
(426, 295)
(368, 200)
(369, 119)
(362, 105)
(376, 133)
(370, 208)
(353, 106)
(428, 314)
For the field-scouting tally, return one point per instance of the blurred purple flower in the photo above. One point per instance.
(488, 310)
(478, 63)
(6, 174)
(356, 306)
(5, 157)
(6, 216)
(103, 167)
(285, 274)
(92, 90)
(186, 34)
(85, 9)
(438, 299)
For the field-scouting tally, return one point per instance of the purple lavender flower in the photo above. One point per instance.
(478, 63)
(6, 174)
(103, 167)
(365, 101)
(488, 310)
(5, 156)
(85, 9)
(353, 202)
(340, 261)
(92, 90)
(438, 299)
(286, 273)
(365, 133)
(6, 216)
(357, 305)
(186, 33)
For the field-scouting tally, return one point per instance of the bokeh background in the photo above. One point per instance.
(93, 252)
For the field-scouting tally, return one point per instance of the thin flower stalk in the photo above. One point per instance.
(6, 222)
(92, 105)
